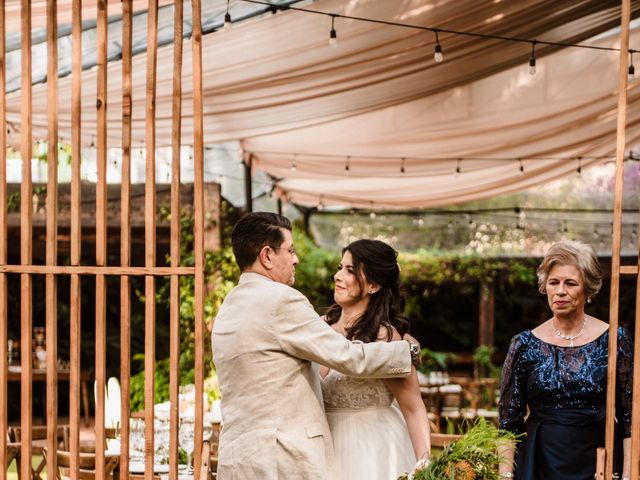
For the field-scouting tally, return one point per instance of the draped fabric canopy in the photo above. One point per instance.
(375, 122)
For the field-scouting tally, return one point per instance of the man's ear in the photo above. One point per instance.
(265, 257)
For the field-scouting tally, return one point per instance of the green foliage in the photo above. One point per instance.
(423, 268)
(474, 455)
(483, 365)
(41, 152)
(221, 274)
(160, 387)
(433, 361)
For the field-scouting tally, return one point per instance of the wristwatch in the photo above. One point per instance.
(414, 350)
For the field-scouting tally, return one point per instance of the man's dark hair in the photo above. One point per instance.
(253, 232)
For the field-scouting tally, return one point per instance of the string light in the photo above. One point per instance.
(227, 19)
(320, 204)
(293, 166)
(458, 171)
(346, 165)
(632, 70)
(402, 161)
(579, 169)
(521, 166)
(437, 55)
(333, 37)
(532, 60)
(289, 7)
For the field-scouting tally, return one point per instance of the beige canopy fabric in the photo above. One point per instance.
(275, 84)
(64, 10)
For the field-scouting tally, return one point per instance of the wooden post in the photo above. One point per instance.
(174, 312)
(51, 291)
(615, 245)
(26, 239)
(125, 234)
(248, 194)
(3, 250)
(150, 236)
(101, 234)
(75, 240)
(600, 462)
(487, 314)
(198, 200)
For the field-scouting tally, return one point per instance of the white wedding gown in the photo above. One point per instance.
(370, 436)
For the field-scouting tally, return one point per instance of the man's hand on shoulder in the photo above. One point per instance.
(414, 349)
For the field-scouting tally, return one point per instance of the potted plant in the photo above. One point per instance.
(475, 456)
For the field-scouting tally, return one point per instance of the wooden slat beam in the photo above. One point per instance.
(95, 270)
(629, 270)
(51, 293)
(174, 312)
(198, 200)
(635, 410)
(125, 233)
(101, 233)
(75, 322)
(26, 240)
(150, 235)
(616, 242)
(3, 249)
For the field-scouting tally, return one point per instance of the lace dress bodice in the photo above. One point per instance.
(340, 391)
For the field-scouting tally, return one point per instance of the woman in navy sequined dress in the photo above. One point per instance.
(557, 374)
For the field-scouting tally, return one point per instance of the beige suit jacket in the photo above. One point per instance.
(265, 341)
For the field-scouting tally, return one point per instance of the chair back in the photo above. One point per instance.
(86, 465)
(13, 453)
(39, 442)
(39, 432)
(113, 404)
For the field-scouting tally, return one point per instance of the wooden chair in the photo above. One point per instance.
(39, 442)
(13, 452)
(87, 465)
(432, 400)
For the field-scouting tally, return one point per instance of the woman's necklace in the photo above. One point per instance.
(569, 338)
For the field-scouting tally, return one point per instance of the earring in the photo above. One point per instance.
(589, 300)
(371, 292)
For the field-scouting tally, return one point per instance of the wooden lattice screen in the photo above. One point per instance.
(52, 271)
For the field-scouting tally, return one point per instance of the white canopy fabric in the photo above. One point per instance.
(275, 84)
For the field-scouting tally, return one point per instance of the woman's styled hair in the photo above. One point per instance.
(577, 254)
(377, 262)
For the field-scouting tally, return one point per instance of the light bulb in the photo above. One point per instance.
(437, 56)
(632, 74)
(293, 167)
(532, 66)
(333, 38)
(227, 22)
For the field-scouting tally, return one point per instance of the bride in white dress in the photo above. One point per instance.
(374, 437)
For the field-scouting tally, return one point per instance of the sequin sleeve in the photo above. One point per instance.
(624, 380)
(513, 404)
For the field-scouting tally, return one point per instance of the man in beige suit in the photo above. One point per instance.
(266, 341)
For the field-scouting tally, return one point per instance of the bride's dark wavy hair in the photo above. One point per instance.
(377, 262)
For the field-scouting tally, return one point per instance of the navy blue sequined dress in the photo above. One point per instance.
(564, 389)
